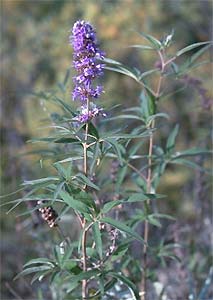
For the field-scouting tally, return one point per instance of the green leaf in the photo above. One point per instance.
(164, 216)
(46, 180)
(93, 131)
(32, 270)
(40, 275)
(159, 115)
(70, 159)
(58, 254)
(109, 205)
(188, 163)
(123, 71)
(127, 116)
(137, 197)
(142, 47)
(73, 203)
(206, 285)
(111, 61)
(40, 260)
(153, 41)
(171, 139)
(147, 73)
(67, 75)
(152, 220)
(67, 140)
(121, 174)
(65, 105)
(122, 227)
(67, 255)
(192, 152)
(85, 275)
(127, 282)
(148, 105)
(86, 180)
(117, 149)
(199, 53)
(97, 239)
(191, 47)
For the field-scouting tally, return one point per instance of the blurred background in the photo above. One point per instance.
(35, 56)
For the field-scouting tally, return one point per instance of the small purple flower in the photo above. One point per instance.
(87, 115)
(85, 61)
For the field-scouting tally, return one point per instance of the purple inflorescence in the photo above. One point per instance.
(85, 61)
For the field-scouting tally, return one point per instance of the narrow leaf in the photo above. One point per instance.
(171, 139)
(191, 47)
(97, 239)
(32, 270)
(127, 282)
(122, 227)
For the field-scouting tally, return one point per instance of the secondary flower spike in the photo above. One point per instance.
(85, 61)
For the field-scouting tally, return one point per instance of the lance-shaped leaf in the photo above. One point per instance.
(127, 282)
(98, 239)
(191, 47)
(122, 227)
(152, 40)
(33, 270)
(74, 203)
(171, 139)
(81, 177)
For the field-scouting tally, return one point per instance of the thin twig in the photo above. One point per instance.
(12, 291)
(149, 181)
(136, 170)
(84, 235)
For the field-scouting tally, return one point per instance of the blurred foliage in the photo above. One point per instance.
(36, 55)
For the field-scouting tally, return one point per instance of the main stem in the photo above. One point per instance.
(149, 181)
(146, 225)
(84, 235)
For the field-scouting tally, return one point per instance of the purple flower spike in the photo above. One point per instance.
(85, 61)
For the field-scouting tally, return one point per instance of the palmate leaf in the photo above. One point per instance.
(122, 227)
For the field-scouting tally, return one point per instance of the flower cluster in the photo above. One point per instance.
(48, 214)
(86, 61)
(87, 115)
